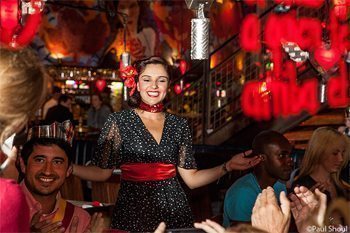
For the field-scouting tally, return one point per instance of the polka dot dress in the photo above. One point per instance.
(141, 206)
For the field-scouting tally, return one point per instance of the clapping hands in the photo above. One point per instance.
(268, 215)
(308, 208)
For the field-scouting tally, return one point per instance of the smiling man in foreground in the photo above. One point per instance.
(46, 163)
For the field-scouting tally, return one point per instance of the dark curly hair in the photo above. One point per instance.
(140, 65)
(28, 147)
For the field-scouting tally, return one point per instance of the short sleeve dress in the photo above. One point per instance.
(141, 206)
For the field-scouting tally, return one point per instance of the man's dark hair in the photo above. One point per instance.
(99, 96)
(56, 89)
(64, 98)
(140, 65)
(28, 147)
(265, 138)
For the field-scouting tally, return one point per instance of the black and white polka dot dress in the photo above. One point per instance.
(141, 206)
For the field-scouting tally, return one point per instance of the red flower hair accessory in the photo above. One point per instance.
(128, 74)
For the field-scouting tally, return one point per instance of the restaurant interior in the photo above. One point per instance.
(264, 64)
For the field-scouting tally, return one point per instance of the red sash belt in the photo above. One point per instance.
(147, 171)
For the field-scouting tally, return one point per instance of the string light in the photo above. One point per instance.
(79, 73)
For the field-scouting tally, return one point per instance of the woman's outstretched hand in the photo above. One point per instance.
(242, 162)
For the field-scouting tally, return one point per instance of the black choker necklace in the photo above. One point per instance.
(151, 108)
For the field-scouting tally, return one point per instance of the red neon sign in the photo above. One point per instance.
(283, 96)
(12, 33)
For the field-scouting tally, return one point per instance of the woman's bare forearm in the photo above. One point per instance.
(92, 173)
(196, 178)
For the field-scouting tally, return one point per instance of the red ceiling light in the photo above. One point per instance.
(327, 58)
(177, 89)
(183, 67)
(249, 34)
(12, 33)
(9, 14)
(341, 8)
(100, 84)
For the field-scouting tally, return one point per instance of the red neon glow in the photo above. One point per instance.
(177, 89)
(309, 3)
(100, 84)
(338, 88)
(183, 67)
(280, 99)
(305, 3)
(285, 2)
(284, 99)
(306, 97)
(12, 34)
(341, 9)
(280, 95)
(340, 33)
(289, 72)
(253, 105)
(309, 33)
(343, 34)
(260, 3)
(249, 35)
(305, 32)
(273, 31)
(9, 15)
(327, 58)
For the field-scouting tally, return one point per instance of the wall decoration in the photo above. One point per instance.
(91, 32)
(141, 37)
(72, 33)
(306, 36)
(19, 21)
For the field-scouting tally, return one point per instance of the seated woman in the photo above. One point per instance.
(326, 154)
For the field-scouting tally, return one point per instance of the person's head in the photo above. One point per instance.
(132, 9)
(22, 89)
(65, 101)
(275, 150)
(138, 12)
(45, 165)
(56, 92)
(152, 81)
(327, 149)
(46, 158)
(96, 101)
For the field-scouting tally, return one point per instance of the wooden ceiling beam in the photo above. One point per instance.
(320, 120)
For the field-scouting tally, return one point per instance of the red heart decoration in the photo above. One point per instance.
(327, 58)
(100, 84)
(177, 89)
(183, 66)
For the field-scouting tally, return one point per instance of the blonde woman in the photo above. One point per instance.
(327, 153)
(22, 85)
(22, 91)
